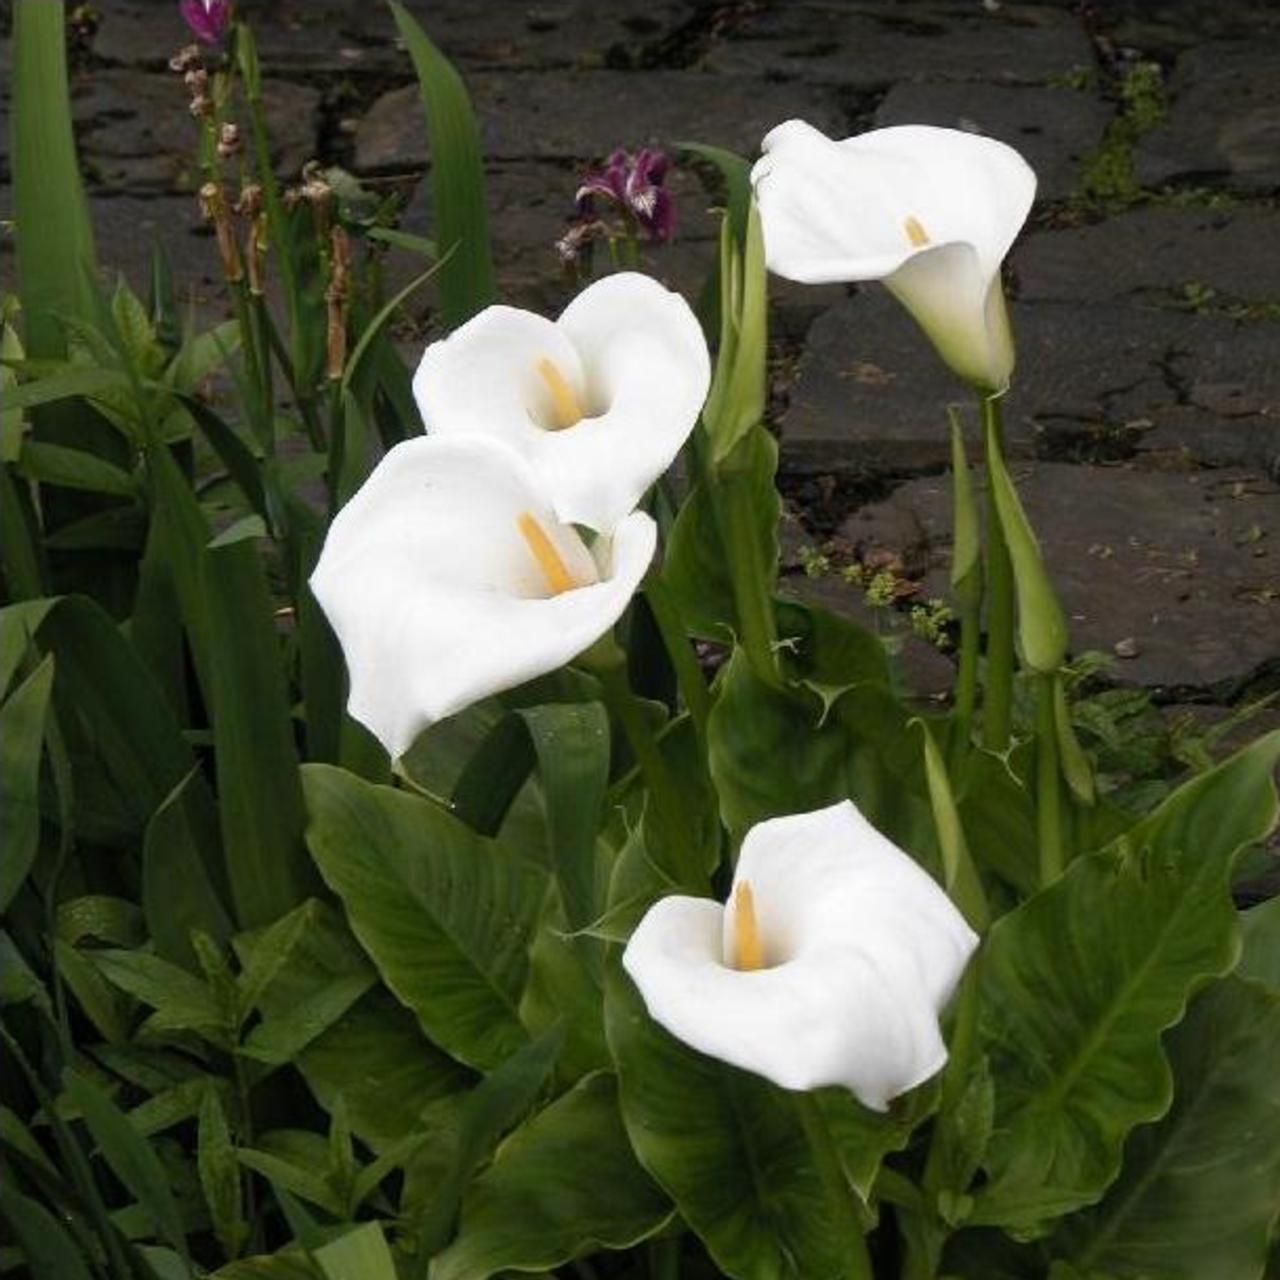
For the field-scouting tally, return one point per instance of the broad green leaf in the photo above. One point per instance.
(273, 948)
(1199, 1191)
(289, 1265)
(22, 721)
(571, 741)
(774, 751)
(181, 1002)
(54, 236)
(1081, 981)
(220, 1175)
(259, 795)
(348, 1040)
(563, 1185)
(74, 469)
(445, 914)
(727, 1146)
(493, 1107)
(47, 1248)
(178, 889)
(361, 1254)
(457, 177)
(695, 567)
(130, 1156)
(1260, 932)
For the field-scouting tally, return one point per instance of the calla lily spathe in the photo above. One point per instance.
(828, 965)
(931, 212)
(598, 402)
(448, 577)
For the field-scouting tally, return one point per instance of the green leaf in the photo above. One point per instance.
(18, 982)
(695, 567)
(22, 722)
(1260, 932)
(445, 914)
(457, 177)
(178, 892)
(54, 236)
(288, 1265)
(220, 1174)
(304, 1175)
(259, 794)
(561, 1186)
(1042, 626)
(727, 1147)
(48, 1250)
(73, 380)
(1080, 982)
(139, 751)
(130, 1156)
(181, 1002)
(1198, 1192)
(361, 1254)
(571, 741)
(501, 1098)
(273, 948)
(74, 469)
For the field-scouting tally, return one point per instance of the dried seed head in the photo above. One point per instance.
(229, 143)
(249, 204)
(187, 58)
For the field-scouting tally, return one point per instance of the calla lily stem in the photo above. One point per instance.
(689, 677)
(997, 706)
(1048, 785)
(840, 1196)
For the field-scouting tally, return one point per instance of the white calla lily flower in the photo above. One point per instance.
(828, 965)
(931, 212)
(599, 402)
(448, 577)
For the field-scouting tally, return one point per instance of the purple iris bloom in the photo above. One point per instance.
(207, 18)
(634, 182)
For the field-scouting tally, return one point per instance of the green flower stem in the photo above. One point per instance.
(997, 707)
(840, 1196)
(1048, 785)
(606, 660)
(693, 686)
(966, 685)
(749, 576)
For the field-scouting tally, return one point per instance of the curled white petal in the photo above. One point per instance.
(435, 596)
(632, 354)
(863, 950)
(932, 212)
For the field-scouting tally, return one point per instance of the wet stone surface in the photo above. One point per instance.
(1177, 575)
(1144, 419)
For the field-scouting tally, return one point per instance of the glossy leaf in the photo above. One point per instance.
(22, 726)
(259, 794)
(563, 1185)
(55, 256)
(1199, 1189)
(445, 914)
(493, 1107)
(726, 1146)
(457, 176)
(1080, 982)
(178, 887)
(130, 1156)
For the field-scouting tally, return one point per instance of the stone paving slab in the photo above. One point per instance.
(135, 132)
(582, 115)
(1102, 381)
(1224, 119)
(1054, 128)
(1154, 253)
(870, 46)
(1183, 569)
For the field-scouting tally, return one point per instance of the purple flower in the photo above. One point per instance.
(633, 182)
(207, 18)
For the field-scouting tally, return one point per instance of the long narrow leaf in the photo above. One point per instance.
(457, 175)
